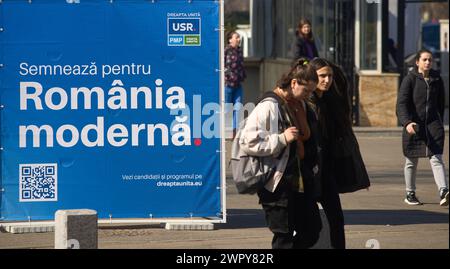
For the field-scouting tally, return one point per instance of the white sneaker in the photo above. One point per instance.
(444, 198)
(411, 198)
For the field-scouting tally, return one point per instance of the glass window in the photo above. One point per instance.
(330, 33)
(287, 15)
(319, 25)
(369, 35)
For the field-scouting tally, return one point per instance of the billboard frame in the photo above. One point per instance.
(193, 220)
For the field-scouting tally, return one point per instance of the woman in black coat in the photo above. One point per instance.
(305, 46)
(342, 167)
(420, 110)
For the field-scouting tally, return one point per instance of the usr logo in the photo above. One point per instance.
(184, 26)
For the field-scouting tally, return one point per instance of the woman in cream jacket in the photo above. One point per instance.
(271, 131)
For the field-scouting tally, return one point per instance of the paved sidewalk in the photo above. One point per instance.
(378, 217)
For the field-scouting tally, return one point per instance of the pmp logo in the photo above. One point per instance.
(184, 31)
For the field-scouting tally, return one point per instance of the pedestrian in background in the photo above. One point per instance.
(286, 197)
(342, 167)
(234, 76)
(305, 45)
(420, 110)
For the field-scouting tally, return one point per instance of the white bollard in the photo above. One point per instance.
(76, 229)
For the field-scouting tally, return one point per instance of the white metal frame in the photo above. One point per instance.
(222, 112)
(118, 221)
(358, 39)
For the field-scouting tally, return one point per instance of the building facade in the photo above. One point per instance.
(369, 39)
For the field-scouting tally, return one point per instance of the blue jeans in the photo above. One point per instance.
(233, 96)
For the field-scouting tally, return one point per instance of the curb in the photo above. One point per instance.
(384, 131)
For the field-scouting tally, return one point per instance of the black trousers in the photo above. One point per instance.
(331, 205)
(301, 215)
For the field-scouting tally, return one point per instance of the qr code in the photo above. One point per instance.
(38, 182)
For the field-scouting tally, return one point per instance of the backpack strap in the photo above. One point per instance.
(286, 117)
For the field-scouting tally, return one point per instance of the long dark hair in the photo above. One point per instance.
(300, 24)
(301, 71)
(334, 107)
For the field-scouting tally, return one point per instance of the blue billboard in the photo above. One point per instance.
(111, 106)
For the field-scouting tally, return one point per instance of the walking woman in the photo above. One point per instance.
(273, 132)
(234, 76)
(305, 45)
(342, 167)
(420, 110)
